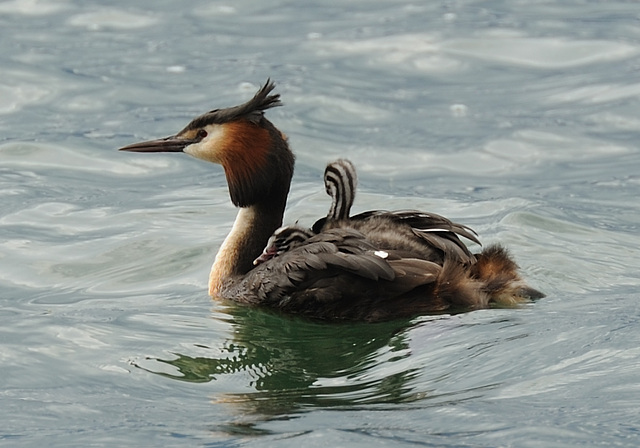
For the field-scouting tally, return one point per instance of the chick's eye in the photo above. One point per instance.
(201, 134)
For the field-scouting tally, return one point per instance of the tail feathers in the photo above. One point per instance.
(499, 276)
(492, 280)
(456, 286)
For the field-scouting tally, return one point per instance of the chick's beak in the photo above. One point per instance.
(167, 144)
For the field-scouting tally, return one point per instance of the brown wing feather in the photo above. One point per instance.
(429, 235)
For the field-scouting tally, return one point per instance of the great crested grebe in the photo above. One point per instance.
(283, 240)
(340, 182)
(374, 266)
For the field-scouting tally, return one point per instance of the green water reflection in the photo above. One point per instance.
(295, 364)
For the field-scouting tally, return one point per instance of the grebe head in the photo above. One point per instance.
(340, 182)
(283, 239)
(254, 154)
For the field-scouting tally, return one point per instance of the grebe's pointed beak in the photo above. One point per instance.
(167, 144)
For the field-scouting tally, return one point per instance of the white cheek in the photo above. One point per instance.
(195, 150)
(208, 148)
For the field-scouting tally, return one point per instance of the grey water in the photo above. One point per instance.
(520, 119)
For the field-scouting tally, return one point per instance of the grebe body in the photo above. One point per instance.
(373, 266)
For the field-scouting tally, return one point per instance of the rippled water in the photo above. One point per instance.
(520, 119)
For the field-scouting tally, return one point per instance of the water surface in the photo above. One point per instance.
(519, 119)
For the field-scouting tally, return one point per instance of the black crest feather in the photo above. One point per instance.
(252, 110)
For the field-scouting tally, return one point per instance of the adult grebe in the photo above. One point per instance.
(373, 266)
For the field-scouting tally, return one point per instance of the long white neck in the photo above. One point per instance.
(251, 230)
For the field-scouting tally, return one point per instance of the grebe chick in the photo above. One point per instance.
(340, 182)
(373, 266)
(283, 240)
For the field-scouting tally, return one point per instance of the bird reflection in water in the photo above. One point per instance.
(295, 364)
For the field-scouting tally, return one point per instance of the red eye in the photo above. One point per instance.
(201, 134)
